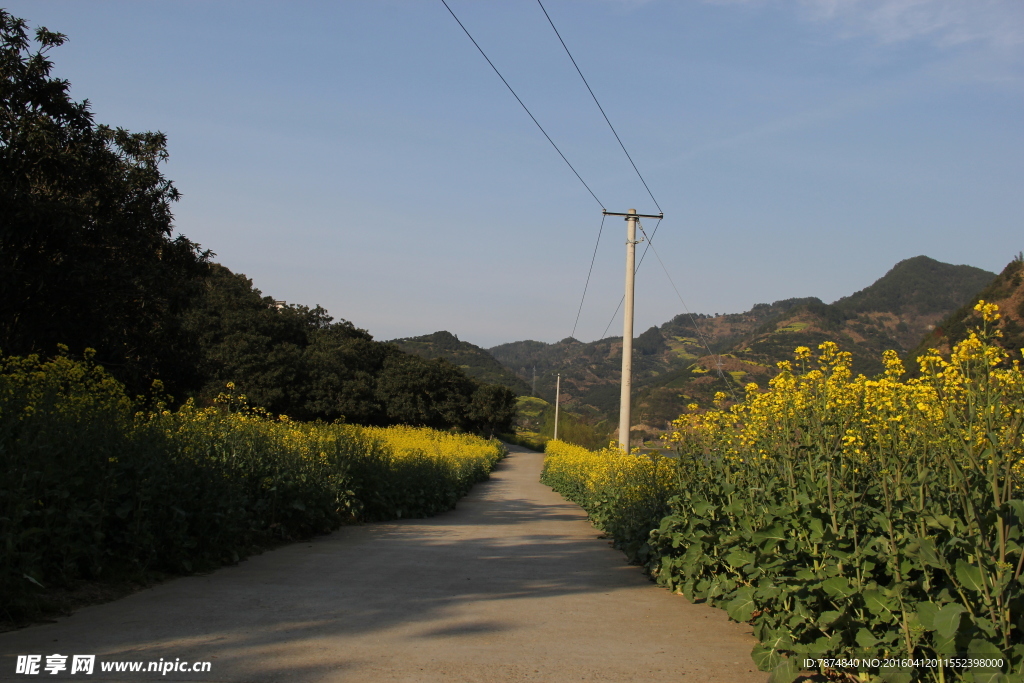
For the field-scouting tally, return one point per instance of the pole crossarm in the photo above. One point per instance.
(635, 215)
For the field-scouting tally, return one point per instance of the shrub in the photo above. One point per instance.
(94, 486)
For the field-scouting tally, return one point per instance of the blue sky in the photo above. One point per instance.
(363, 156)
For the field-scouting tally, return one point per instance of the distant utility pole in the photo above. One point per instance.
(534, 380)
(558, 394)
(627, 323)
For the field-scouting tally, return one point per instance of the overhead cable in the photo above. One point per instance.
(591, 91)
(525, 108)
(635, 271)
(718, 357)
(589, 272)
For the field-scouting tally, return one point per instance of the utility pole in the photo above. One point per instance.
(558, 394)
(627, 323)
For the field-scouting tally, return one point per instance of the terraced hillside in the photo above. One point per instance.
(673, 366)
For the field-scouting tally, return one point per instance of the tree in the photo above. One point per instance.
(288, 359)
(493, 409)
(87, 255)
(429, 393)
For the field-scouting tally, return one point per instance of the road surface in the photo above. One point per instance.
(513, 585)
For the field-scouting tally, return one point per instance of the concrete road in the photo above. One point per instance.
(513, 585)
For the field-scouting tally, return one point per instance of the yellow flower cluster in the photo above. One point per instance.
(969, 406)
(637, 477)
(134, 486)
(231, 430)
(463, 454)
(625, 494)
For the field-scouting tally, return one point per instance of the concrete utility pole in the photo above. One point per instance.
(558, 394)
(627, 323)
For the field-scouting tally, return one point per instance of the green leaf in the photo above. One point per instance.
(787, 671)
(838, 587)
(940, 522)
(924, 550)
(739, 558)
(865, 638)
(1018, 509)
(766, 653)
(827, 618)
(926, 612)
(894, 675)
(947, 620)
(983, 649)
(742, 607)
(944, 645)
(701, 508)
(817, 528)
(770, 537)
(986, 626)
(877, 603)
(969, 576)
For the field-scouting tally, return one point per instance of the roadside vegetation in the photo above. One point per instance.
(261, 421)
(535, 426)
(98, 486)
(842, 516)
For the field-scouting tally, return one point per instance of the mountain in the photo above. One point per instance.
(472, 359)
(691, 357)
(915, 295)
(1006, 291)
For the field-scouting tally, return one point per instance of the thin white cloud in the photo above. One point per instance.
(998, 23)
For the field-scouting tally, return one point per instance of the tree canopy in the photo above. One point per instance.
(298, 361)
(89, 260)
(87, 254)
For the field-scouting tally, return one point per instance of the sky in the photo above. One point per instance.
(362, 155)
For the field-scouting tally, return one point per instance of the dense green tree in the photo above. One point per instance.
(88, 259)
(87, 254)
(288, 359)
(492, 409)
(298, 361)
(342, 364)
(243, 338)
(432, 393)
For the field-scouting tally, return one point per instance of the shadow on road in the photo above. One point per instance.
(513, 566)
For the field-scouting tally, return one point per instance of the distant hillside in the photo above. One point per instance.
(472, 359)
(1007, 291)
(673, 367)
(916, 293)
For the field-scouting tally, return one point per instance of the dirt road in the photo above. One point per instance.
(513, 585)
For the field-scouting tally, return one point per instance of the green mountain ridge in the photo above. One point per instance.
(691, 357)
(471, 359)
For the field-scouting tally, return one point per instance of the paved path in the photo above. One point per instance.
(513, 585)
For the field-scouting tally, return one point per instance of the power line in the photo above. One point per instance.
(639, 263)
(718, 363)
(525, 108)
(589, 272)
(607, 120)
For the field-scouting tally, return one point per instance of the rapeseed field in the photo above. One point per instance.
(95, 484)
(871, 527)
